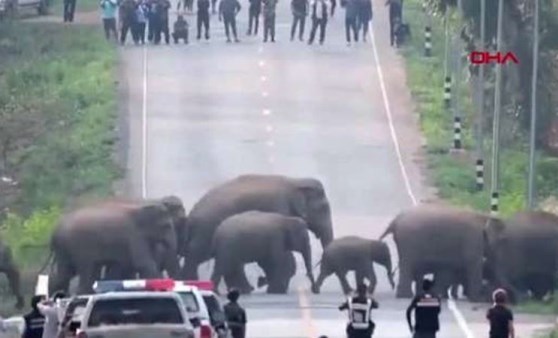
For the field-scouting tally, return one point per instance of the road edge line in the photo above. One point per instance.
(458, 316)
(144, 128)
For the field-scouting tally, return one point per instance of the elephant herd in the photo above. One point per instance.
(264, 219)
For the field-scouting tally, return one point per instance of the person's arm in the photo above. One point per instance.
(410, 309)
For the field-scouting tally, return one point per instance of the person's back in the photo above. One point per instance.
(360, 313)
(236, 316)
(500, 317)
(180, 25)
(229, 8)
(299, 7)
(269, 7)
(108, 9)
(34, 320)
(427, 307)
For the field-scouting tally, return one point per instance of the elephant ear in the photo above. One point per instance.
(309, 193)
(152, 217)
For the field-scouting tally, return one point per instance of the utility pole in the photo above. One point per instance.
(480, 108)
(457, 138)
(494, 201)
(532, 138)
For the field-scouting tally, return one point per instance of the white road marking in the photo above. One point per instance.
(262, 63)
(451, 303)
(144, 128)
(270, 143)
(269, 129)
(263, 78)
(265, 94)
(266, 112)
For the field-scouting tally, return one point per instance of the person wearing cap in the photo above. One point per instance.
(34, 320)
(360, 310)
(500, 316)
(49, 309)
(235, 314)
(427, 307)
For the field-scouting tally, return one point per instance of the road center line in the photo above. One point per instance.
(451, 303)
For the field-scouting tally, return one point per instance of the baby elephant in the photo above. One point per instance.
(356, 254)
(265, 238)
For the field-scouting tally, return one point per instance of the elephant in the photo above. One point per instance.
(121, 233)
(462, 238)
(9, 268)
(265, 238)
(288, 270)
(299, 197)
(352, 253)
(526, 254)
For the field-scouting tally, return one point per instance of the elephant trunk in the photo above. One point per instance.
(381, 254)
(321, 226)
(306, 253)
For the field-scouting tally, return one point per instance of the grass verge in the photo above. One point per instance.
(453, 174)
(58, 102)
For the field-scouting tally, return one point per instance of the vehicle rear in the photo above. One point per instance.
(136, 315)
(216, 313)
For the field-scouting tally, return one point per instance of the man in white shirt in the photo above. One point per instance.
(49, 309)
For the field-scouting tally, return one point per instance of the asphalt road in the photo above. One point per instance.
(207, 112)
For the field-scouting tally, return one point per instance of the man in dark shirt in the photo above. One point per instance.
(235, 314)
(351, 20)
(254, 12)
(360, 308)
(427, 307)
(269, 9)
(203, 18)
(500, 317)
(395, 15)
(162, 13)
(299, 8)
(228, 9)
(34, 320)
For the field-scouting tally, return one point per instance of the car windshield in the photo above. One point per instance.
(147, 310)
(190, 301)
(216, 313)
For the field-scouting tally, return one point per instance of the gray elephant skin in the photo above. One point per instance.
(526, 254)
(10, 269)
(264, 238)
(449, 239)
(299, 197)
(113, 233)
(352, 253)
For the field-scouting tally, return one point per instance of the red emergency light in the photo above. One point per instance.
(163, 284)
(200, 284)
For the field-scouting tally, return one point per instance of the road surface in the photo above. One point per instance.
(204, 113)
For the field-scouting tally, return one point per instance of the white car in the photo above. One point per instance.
(135, 314)
(11, 7)
(194, 301)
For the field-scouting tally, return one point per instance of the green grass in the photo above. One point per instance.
(81, 6)
(58, 94)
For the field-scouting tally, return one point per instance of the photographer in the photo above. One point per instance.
(49, 309)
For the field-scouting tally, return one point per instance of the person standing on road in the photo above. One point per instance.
(228, 9)
(141, 22)
(235, 314)
(427, 307)
(34, 320)
(203, 18)
(319, 19)
(500, 317)
(162, 18)
(49, 309)
(360, 313)
(364, 16)
(151, 20)
(127, 19)
(254, 12)
(109, 18)
(299, 8)
(351, 20)
(395, 15)
(69, 10)
(269, 9)
(333, 5)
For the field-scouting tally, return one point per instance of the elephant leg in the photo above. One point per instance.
(63, 273)
(14, 280)
(368, 272)
(86, 274)
(325, 271)
(284, 271)
(342, 276)
(404, 285)
(237, 277)
(474, 281)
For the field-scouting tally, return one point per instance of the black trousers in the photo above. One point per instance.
(351, 24)
(322, 24)
(230, 24)
(359, 333)
(203, 20)
(364, 25)
(253, 20)
(127, 25)
(151, 23)
(138, 32)
(176, 36)
(269, 27)
(395, 12)
(298, 20)
(162, 27)
(109, 26)
(69, 10)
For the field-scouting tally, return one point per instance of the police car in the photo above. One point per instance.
(192, 297)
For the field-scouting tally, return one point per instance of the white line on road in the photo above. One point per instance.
(265, 94)
(262, 63)
(263, 78)
(144, 128)
(269, 129)
(451, 303)
(266, 112)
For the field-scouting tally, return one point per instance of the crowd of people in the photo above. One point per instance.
(152, 16)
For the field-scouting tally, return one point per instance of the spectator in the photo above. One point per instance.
(500, 317)
(49, 309)
(180, 30)
(235, 314)
(427, 308)
(109, 18)
(34, 320)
